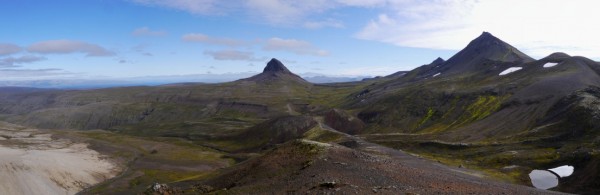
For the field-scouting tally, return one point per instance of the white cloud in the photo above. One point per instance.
(363, 3)
(273, 44)
(8, 49)
(324, 23)
(286, 11)
(202, 38)
(294, 46)
(69, 46)
(537, 27)
(16, 62)
(276, 12)
(206, 7)
(145, 31)
(231, 55)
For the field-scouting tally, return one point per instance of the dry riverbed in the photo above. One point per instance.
(32, 162)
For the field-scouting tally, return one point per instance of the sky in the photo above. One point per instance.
(112, 39)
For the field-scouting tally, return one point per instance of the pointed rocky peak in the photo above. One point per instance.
(438, 61)
(482, 50)
(486, 39)
(490, 47)
(275, 66)
(487, 36)
(276, 72)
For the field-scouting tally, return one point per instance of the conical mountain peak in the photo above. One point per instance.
(487, 35)
(276, 72)
(275, 66)
(482, 49)
(486, 39)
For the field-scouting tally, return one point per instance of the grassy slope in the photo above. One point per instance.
(149, 160)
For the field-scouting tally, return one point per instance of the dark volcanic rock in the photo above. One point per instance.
(557, 57)
(275, 72)
(344, 122)
(424, 70)
(437, 61)
(275, 66)
(484, 48)
(275, 131)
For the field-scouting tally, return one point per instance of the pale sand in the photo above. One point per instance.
(33, 163)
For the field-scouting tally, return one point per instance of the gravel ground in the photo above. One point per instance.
(363, 168)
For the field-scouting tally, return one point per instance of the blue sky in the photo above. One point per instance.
(108, 39)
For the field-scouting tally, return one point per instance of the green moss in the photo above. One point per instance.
(482, 107)
(154, 159)
(167, 176)
(426, 117)
(321, 135)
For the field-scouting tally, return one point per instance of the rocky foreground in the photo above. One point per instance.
(32, 162)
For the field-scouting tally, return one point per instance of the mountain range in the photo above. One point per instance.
(489, 108)
(162, 80)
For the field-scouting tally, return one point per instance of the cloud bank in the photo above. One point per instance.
(294, 46)
(8, 49)
(538, 27)
(205, 7)
(69, 46)
(16, 62)
(231, 55)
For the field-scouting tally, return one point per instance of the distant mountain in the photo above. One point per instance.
(274, 72)
(123, 82)
(333, 79)
(161, 80)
